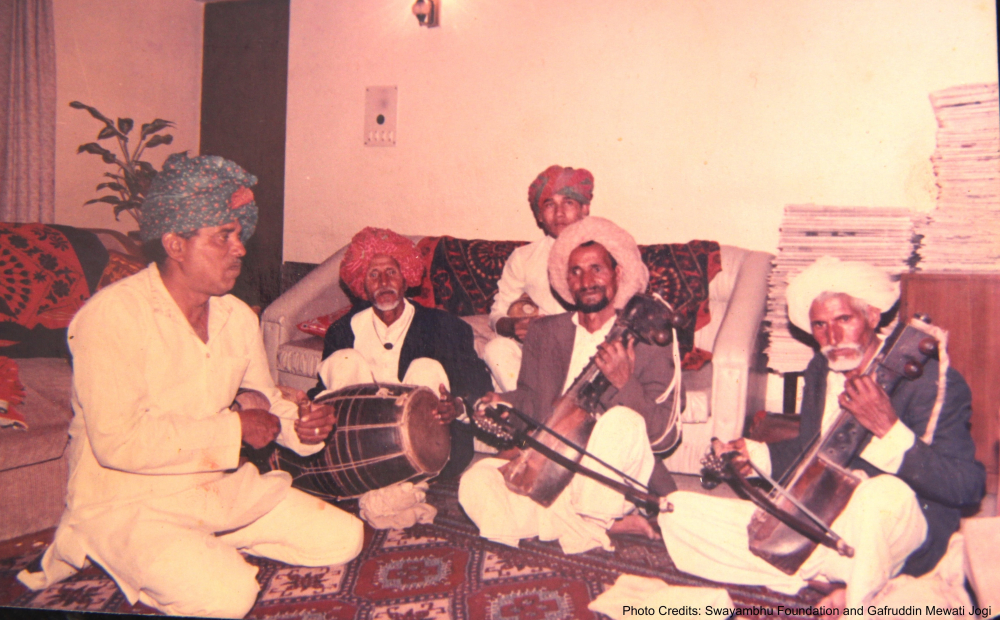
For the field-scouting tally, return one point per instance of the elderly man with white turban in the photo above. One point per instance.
(901, 516)
(595, 265)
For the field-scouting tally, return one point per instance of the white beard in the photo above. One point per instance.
(842, 363)
(387, 306)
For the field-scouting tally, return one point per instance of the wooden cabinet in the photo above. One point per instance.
(968, 306)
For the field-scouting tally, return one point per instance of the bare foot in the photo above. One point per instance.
(634, 524)
(835, 600)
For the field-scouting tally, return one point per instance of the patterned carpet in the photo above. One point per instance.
(427, 572)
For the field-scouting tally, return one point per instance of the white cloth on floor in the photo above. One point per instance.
(397, 506)
(631, 592)
(707, 536)
(581, 515)
(943, 587)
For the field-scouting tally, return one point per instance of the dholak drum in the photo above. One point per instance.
(385, 434)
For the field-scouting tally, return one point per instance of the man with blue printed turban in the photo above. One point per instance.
(169, 379)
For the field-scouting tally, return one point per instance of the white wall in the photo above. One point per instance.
(699, 118)
(140, 60)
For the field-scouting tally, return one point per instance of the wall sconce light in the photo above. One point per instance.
(427, 12)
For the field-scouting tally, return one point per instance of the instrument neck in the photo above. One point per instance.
(588, 387)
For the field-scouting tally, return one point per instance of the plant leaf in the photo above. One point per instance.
(111, 200)
(116, 187)
(146, 167)
(125, 125)
(158, 140)
(108, 132)
(95, 148)
(155, 126)
(93, 111)
(125, 206)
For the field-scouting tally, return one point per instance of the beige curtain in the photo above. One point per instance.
(27, 111)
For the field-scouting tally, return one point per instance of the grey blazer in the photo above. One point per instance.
(548, 348)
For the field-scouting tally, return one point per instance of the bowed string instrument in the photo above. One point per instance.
(551, 452)
(795, 516)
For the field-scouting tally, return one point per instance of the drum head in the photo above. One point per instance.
(427, 443)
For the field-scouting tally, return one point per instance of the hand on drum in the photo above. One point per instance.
(316, 421)
(448, 407)
(258, 427)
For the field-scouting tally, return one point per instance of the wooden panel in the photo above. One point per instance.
(968, 306)
(243, 104)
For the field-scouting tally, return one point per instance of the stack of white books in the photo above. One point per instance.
(962, 233)
(877, 235)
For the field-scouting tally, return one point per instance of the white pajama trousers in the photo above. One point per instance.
(180, 554)
(583, 512)
(707, 536)
(200, 574)
(348, 367)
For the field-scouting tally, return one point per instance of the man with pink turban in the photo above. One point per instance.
(595, 265)
(558, 197)
(388, 339)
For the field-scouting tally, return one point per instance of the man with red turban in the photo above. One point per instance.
(558, 197)
(388, 339)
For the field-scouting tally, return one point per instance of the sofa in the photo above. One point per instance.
(720, 395)
(33, 462)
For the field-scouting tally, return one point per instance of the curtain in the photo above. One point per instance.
(27, 111)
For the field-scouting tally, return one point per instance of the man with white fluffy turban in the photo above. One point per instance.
(901, 516)
(597, 266)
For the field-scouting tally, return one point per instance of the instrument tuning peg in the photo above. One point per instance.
(920, 316)
(912, 370)
(661, 337)
(928, 346)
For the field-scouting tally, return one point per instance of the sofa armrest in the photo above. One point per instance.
(316, 294)
(739, 378)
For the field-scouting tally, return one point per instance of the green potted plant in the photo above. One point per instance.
(131, 179)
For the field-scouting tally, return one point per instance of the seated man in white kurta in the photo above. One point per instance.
(558, 197)
(919, 473)
(156, 493)
(599, 267)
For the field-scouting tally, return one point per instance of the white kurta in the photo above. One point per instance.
(526, 271)
(153, 446)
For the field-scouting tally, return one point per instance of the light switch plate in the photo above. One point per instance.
(380, 115)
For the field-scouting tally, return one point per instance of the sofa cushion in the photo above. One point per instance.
(317, 326)
(47, 272)
(301, 357)
(47, 409)
(461, 274)
(119, 266)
